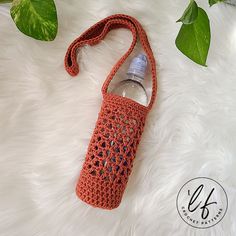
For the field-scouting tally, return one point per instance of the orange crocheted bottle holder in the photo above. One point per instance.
(120, 122)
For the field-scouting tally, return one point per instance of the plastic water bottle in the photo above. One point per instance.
(132, 86)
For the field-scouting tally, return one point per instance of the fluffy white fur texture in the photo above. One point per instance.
(47, 119)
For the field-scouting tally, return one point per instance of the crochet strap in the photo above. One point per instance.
(97, 32)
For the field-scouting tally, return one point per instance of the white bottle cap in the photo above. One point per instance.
(138, 66)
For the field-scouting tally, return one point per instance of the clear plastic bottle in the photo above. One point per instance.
(132, 86)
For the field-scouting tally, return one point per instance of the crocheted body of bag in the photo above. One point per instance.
(111, 152)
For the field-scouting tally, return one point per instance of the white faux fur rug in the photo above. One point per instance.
(47, 119)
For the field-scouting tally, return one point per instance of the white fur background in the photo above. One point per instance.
(47, 118)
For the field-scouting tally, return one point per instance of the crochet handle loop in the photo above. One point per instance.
(97, 32)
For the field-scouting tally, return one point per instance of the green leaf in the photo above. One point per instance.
(212, 2)
(190, 13)
(194, 40)
(35, 18)
(5, 1)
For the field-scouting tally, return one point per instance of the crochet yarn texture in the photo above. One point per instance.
(120, 122)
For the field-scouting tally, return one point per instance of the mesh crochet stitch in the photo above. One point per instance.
(120, 122)
(111, 152)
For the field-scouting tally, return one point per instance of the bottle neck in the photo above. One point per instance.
(135, 78)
